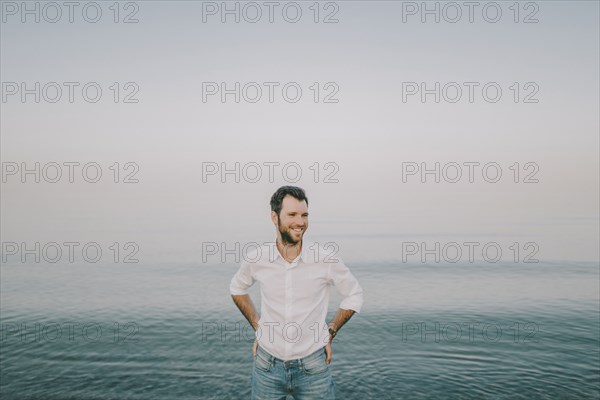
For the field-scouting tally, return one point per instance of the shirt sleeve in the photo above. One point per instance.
(242, 280)
(346, 285)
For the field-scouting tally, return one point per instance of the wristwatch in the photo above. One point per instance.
(332, 332)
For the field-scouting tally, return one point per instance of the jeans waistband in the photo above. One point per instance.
(298, 361)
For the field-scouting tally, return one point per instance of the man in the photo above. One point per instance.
(292, 350)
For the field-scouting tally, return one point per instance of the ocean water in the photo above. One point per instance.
(478, 331)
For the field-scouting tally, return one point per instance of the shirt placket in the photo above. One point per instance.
(289, 292)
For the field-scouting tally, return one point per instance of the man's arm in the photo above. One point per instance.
(347, 285)
(244, 303)
(238, 289)
(340, 319)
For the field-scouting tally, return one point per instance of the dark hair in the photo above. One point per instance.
(279, 195)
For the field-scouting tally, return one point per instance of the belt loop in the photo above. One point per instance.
(271, 359)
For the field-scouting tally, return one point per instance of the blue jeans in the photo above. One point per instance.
(307, 378)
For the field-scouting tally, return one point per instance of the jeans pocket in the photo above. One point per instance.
(315, 366)
(262, 364)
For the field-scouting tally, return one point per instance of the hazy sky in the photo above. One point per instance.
(368, 61)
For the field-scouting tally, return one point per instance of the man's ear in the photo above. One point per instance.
(274, 217)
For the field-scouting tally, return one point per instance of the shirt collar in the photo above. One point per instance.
(304, 253)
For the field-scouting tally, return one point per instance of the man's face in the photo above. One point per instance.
(292, 221)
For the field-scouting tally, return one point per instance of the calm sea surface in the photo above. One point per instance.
(171, 332)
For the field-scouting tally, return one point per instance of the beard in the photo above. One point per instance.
(286, 236)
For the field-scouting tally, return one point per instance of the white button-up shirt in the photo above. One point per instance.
(295, 296)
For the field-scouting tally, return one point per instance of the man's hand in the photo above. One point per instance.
(254, 347)
(328, 353)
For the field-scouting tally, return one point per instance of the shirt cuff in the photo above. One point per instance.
(352, 304)
(237, 291)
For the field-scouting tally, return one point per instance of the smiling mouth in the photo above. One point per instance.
(297, 230)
